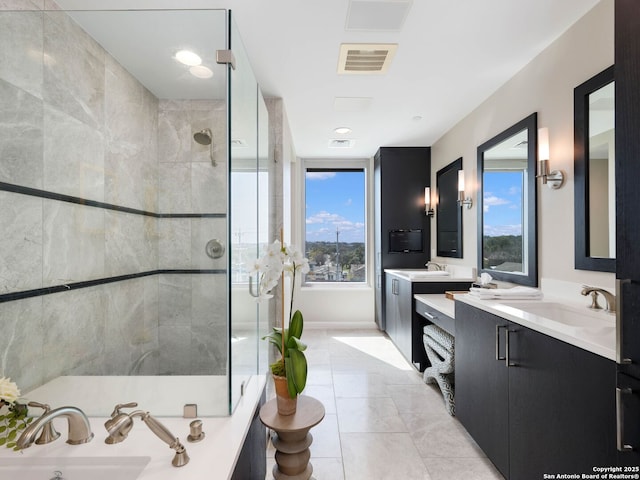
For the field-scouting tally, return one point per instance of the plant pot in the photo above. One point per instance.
(286, 404)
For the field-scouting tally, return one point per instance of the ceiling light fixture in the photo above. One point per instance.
(342, 130)
(201, 71)
(187, 57)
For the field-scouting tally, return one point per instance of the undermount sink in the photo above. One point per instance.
(565, 315)
(422, 273)
(72, 468)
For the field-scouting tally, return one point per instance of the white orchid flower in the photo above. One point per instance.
(9, 391)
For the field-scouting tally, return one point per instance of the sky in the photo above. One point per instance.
(335, 200)
(502, 203)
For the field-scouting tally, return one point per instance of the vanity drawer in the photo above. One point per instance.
(436, 317)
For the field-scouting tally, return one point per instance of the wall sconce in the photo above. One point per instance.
(428, 210)
(555, 178)
(461, 198)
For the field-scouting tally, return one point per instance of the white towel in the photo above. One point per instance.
(515, 293)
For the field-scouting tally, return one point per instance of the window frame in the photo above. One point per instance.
(346, 165)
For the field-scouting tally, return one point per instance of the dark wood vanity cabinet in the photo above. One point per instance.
(404, 323)
(551, 411)
(482, 383)
(400, 175)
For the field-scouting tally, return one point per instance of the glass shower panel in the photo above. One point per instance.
(113, 168)
(243, 218)
(264, 224)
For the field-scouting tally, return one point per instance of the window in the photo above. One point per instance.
(335, 227)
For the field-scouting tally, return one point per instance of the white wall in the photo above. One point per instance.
(545, 86)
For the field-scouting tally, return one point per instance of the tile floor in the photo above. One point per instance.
(382, 421)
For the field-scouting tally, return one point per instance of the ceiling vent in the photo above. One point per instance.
(365, 58)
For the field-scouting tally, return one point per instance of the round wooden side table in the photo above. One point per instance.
(291, 438)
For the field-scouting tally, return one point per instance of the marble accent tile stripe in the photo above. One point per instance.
(8, 297)
(34, 192)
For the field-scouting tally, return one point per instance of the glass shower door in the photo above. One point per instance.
(244, 238)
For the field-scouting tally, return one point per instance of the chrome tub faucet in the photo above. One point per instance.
(79, 427)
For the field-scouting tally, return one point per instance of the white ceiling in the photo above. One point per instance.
(452, 55)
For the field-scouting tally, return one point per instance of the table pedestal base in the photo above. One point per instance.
(291, 438)
(292, 455)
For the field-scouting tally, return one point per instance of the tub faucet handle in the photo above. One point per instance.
(48, 434)
(118, 407)
(196, 434)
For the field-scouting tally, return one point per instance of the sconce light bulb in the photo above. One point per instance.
(543, 144)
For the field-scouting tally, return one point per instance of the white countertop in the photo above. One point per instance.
(438, 301)
(600, 340)
(214, 457)
(453, 273)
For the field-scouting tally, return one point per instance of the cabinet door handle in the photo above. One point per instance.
(620, 419)
(498, 327)
(620, 359)
(428, 315)
(507, 360)
(394, 286)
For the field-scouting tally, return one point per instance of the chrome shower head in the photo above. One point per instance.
(203, 137)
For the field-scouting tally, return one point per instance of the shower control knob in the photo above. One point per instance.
(196, 431)
(214, 248)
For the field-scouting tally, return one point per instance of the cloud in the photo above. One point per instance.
(491, 200)
(323, 226)
(324, 217)
(348, 202)
(320, 175)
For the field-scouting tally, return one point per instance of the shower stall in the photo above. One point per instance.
(134, 187)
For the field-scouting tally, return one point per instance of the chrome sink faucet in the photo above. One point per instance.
(120, 424)
(79, 426)
(436, 266)
(609, 297)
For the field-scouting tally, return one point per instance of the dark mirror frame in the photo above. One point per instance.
(449, 211)
(530, 124)
(581, 173)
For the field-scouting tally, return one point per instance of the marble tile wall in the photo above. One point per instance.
(73, 121)
(192, 319)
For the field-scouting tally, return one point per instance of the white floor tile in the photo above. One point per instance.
(381, 456)
(373, 414)
(382, 422)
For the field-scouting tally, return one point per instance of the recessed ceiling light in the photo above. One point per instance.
(187, 57)
(201, 71)
(342, 130)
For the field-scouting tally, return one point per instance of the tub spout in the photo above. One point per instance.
(79, 427)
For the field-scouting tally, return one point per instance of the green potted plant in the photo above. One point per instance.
(13, 418)
(290, 370)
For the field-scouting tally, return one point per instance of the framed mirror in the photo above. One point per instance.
(449, 212)
(507, 239)
(594, 173)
